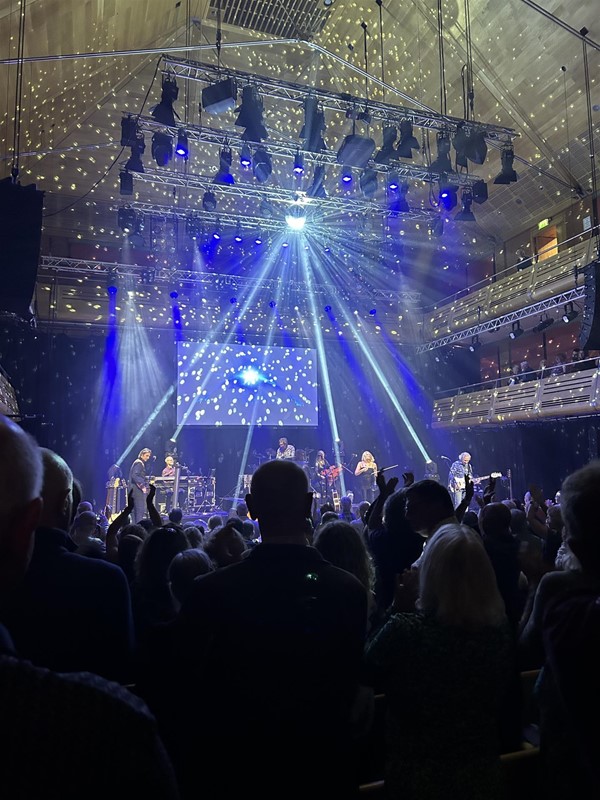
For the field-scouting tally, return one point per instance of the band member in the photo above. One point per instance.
(285, 450)
(366, 470)
(138, 483)
(169, 470)
(321, 467)
(456, 477)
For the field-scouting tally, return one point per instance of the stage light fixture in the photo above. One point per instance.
(516, 330)
(475, 344)
(219, 97)
(224, 175)
(129, 131)
(162, 148)
(246, 156)
(327, 309)
(233, 300)
(125, 183)
(372, 312)
(570, 313)
(507, 173)
(296, 217)
(447, 193)
(368, 182)
(164, 112)
(134, 163)
(459, 142)
(262, 165)
(216, 235)
(126, 217)
(209, 201)
(355, 151)
(298, 163)
(407, 142)
(173, 295)
(346, 176)
(182, 148)
(316, 189)
(259, 238)
(399, 204)
(272, 304)
(545, 322)
(442, 163)
(393, 181)
(238, 234)
(314, 126)
(476, 147)
(480, 192)
(465, 214)
(193, 227)
(387, 152)
(250, 115)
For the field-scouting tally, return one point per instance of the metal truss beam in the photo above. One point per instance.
(223, 138)
(493, 324)
(284, 197)
(71, 267)
(335, 101)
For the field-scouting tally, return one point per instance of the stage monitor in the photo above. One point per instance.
(236, 384)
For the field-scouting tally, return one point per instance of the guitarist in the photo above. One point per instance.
(456, 478)
(138, 484)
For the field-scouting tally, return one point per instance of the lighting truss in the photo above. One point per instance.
(55, 266)
(514, 316)
(335, 101)
(285, 197)
(289, 150)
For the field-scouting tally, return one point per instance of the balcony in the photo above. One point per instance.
(569, 395)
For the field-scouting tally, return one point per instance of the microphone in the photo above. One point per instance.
(446, 458)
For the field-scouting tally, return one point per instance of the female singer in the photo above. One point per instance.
(366, 470)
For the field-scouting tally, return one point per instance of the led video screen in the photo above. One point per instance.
(233, 384)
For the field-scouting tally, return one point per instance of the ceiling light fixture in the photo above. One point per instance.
(516, 330)
(507, 173)
(570, 313)
(465, 214)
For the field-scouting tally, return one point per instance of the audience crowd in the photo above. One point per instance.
(246, 655)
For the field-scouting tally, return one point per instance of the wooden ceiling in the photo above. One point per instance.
(72, 106)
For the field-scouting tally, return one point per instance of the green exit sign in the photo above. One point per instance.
(543, 223)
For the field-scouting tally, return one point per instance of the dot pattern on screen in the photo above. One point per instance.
(233, 384)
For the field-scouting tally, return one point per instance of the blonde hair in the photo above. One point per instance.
(369, 458)
(457, 583)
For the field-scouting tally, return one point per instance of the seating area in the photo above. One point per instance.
(568, 395)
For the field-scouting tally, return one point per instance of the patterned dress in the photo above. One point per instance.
(444, 688)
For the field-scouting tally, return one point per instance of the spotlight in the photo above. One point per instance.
(480, 192)
(327, 309)
(393, 181)
(475, 344)
(465, 214)
(126, 219)
(193, 227)
(545, 322)
(298, 163)
(346, 176)
(387, 148)
(368, 182)
(314, 126)
(516, 331)
(246, 156)
(125, 183)
(316, 189)
(219, 97)
(238, 235)
(174, 295)
(447, 193)
(373, 311)
(233, 300)
(134, 163)
(507, 173)
(209, 201)
(129, 131)
(250, 115)
(112, 289)
(285, 244)
(272, 304)
(476, 147)
(224, 172)
(459, 142)
(407, 142)
(259, 238)
(163, 112)
(181, 148)
(570, 313)
(400, 205)
(442, 163)
(162, 148)
(216, 235)
(262, 165)
(296, 218)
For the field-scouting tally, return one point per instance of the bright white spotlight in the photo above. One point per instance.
(250, 376)
(296, 218)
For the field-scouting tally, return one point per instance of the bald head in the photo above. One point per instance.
(20, 503)
(279, 495)
(57, 491)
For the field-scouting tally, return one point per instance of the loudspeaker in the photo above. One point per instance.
(589, 335)
(356, 151)
(219, 97)
(21, 237)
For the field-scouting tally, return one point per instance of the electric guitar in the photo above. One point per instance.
(458, 484)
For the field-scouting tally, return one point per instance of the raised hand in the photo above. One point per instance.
(408, 478)
(469, 489)
(386, 488)
(151, 493)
